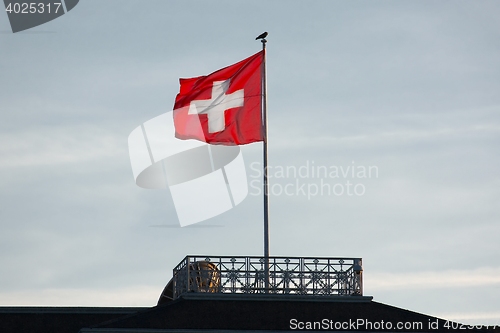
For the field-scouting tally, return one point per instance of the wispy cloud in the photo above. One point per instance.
(431, 280)
(59, 145)
(392, 137)
(141, 295)
(481, 319)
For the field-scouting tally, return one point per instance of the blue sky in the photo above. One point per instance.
(409, 87)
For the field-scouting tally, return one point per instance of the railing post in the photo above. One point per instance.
(301, 274)
(174, 284)
(188, 268)
(358, 277)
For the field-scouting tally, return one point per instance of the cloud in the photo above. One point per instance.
(55, 146)
(486, 318)
(132, 295)
(486, 276)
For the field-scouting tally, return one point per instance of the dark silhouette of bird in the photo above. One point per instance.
(262, 35)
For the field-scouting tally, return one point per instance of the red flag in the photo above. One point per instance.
(226, 103)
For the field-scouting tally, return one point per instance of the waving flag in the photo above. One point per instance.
(223, 107)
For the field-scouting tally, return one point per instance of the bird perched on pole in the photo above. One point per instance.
(262, 35)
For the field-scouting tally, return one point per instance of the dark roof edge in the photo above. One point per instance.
(70, 309)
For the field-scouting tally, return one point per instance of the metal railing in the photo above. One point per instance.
(287, 275)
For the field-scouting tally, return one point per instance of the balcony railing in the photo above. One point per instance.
(287, 275)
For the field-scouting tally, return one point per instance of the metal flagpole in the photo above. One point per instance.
(266, 187)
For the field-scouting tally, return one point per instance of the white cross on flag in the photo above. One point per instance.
(223, 107)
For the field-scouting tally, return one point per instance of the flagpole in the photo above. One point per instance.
(266, 187)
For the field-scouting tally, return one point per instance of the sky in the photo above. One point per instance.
(408, 88)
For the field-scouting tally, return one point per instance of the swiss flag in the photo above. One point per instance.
(223, 107)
